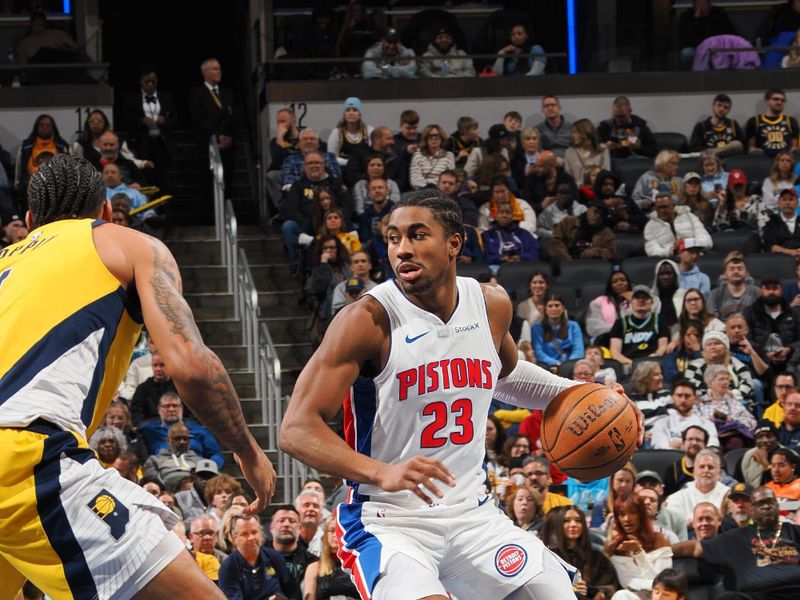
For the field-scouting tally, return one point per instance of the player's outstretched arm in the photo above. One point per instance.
(356, 337)
(199, 375)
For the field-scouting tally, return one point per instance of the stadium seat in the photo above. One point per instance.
(641, 269)
(755, 166)
(704, 581)
(584, 270)
(494, 33)
(570, 295)
(659, 461)
(711, 263)
(424, 26)
(514, 275)
(473, 270)
(732, 460)
(590, 291)
(630, 169)
(628, 245)
(668, 140)
(745, 241)
(565, 368)
(769, 263)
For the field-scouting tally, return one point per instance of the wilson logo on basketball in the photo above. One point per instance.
(510, 560)
(580, 424)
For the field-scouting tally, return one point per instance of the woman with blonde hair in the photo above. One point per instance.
(792, 58)
(325, 579)
(781, 177)
(586, 151)
(619, 483)
(664, 171)
(526, 155)
(431, 159)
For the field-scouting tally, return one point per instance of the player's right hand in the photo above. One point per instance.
(259, 473)
(417, 475)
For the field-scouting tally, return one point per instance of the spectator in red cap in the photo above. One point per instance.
(781, 233)
(738, 210)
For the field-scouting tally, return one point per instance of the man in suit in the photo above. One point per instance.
(148, 115)
(781, 234)
(211, 107)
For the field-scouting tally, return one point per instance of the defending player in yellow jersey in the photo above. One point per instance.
(73, 297)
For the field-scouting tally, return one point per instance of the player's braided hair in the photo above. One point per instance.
(446, 211)
(66, 187)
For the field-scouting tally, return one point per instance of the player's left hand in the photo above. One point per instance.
(260, 474)
(639, 415)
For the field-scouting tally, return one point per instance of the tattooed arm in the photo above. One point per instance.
(199, 375)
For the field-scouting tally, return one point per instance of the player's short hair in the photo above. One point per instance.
(685, 432)
(723, 98)
(446, 211)
(66, 187)
(673, 580)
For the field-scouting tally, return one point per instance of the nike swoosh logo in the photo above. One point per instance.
(485, 500)
(414, 339)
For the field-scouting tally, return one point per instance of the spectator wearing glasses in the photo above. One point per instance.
(254, 571)
(431, 159)
(555, 130)
(663, 174)
(175, 462)
(537, 471)
(781, 234)
(695, 439)
(785, 383)
(773, 131)
(669, 224)
(789, 431)
(204, 534)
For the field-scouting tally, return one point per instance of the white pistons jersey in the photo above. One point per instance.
(432, 397)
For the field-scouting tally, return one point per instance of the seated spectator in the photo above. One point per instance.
(566, 205)
(526, 155)
(637, 551)
(734, 423)
(555, 130)
(689, 274)
(350, 134)
(495, 440)
(46, 40)
(584, 236)
(512, 123)
(524, 507)
(506, 241)
(112, 178)
(663, 176)
(738, 210)
(331, 266)
(284, 528)
(118, 415)
(375, 170)
(600, 373)
(465, 139)
(736, 292)
(648, 391)
(695, 439)
(791, 291)
(192, 501)
(639, 334)
(498, 145)
(714, 178)
(431, 159)
(780, 233)
(389, 59)
(443, 59)
(668, 296)
(170, 411)
(174, 463)
(565, 532)
(619, 484)
(293, 165)
(531, 308)
(716, 351)
(109, 443)
(585, 151)
(738, 510)
(773, 131)
(541, 185)
(44, 137)
(626, 134)
(88, 143)
(359, 32)
(382, 145)
(754, 469)
(319, 41)
(682, 350)
(523, 214)
(12, 228)
(706, 521)
(694, 309)
(110, 154)
(652, 502)
(326, 578)
(698, 23)
(557, 339)
(667, 433)
(785, 483)
(718, 135)
(691, 195)
(767, 570)
(774, 326)
(781, 177)
(218, 493)
(508, 60)
(792, 58)
(408, 138)
(623, 213)
(353, 288)
(604, 310)
(789, 431)
(706, 486)
(204, 535)
(377, 204)
(146, 398)
(334, 223)
(783, 384)
(669, 224)
(539, 475)
(253, 571)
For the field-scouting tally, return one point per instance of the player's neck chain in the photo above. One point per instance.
(765, 559)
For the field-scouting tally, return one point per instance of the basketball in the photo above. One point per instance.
(589, 431)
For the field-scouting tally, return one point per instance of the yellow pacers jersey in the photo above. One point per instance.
(67, 329)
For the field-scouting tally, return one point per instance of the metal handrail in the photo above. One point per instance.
(217, 175)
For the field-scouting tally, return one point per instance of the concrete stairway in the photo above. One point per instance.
(205, 289)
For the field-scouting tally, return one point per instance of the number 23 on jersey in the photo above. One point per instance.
(437, 433)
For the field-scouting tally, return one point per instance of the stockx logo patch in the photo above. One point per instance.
(110, 511)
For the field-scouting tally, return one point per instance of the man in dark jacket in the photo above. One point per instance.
(542, 184)
(622, 213)
(781, 234)
(382, 142)
(774, 325)
(626, 134)
(699, 22)
(146, 398)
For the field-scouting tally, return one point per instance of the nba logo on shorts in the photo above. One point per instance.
(510, 560)
(110, 511)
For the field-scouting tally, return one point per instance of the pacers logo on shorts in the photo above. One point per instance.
(510, 560)
(110, 511)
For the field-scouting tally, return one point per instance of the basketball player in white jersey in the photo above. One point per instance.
(417, 362)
